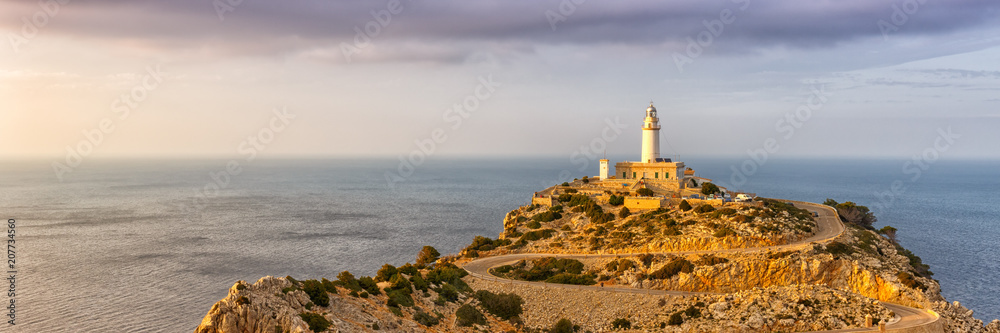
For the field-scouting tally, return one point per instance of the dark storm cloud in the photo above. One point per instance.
(444, 28)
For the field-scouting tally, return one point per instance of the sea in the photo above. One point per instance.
(151, 245)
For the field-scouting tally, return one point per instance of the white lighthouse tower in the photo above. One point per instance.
(650, 136)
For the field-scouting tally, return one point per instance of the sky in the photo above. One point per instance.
(570, 78)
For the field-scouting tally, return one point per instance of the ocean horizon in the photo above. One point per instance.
(151, 245)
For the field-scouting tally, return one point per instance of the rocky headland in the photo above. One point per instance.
(588, 264)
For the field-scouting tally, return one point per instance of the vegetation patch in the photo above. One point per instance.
(467, 315)
(673, 267)
(504, 306)
(316, 322)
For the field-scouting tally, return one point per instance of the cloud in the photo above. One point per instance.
(448, 30)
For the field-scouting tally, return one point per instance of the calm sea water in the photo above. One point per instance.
(135, 246)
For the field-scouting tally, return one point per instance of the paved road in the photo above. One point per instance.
(828, 226)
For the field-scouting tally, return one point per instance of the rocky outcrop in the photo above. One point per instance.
(750, 271)
(257, 308)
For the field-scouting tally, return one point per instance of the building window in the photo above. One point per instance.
(666, 175)
(633, 174)
(657, 175)
(624, 176)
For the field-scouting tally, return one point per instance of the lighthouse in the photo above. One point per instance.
(650, 136)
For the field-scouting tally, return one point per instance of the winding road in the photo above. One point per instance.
(828, 226)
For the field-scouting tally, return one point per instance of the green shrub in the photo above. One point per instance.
(375, 327)
(399, 298)
(724, 232)
(537, 235)
(447, 293)
(408, 269)
(621, 324)
(396, 311)
(467, 315)
(619, 266)
(644, 192)
(398, 282)
(548, 216)
(624, 212)
(616, 200)
(671, 231)
(533, 225)
(368, 284)
(575, 279)
(425, 319)
(385, 273)
(504, 306)
(427, 255)
(364, 294)
(317, 293)
(684, 205)
(675, 266)
(838, 248)
(562, 326)
(418, 282)
(345, 279)
(675, 319)
(316, 322)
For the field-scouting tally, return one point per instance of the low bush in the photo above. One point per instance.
(684, 206)
(645, 192)
(838, 248)
(724, 232)
(398, 298)
(624, 212)
(467, 315)
(537, 235)
(548, 216)
(621, 324)
(672, 268)
(575, 279)
(316, 291)
(429, 254)
(408, 269)
(369, 285)
(504, 306)
(616, 200)
(423, 318)
(316, 322)
(533, 225)
(385, 273)
(562, 326)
